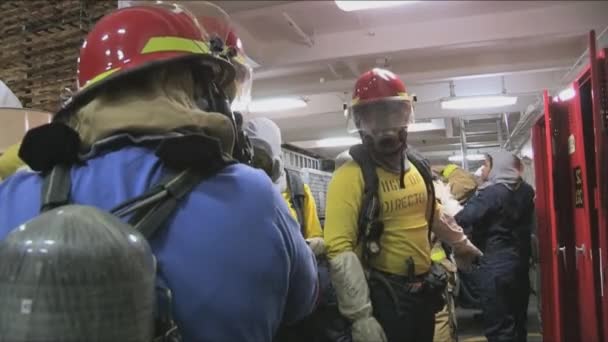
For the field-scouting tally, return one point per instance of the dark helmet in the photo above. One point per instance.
(76, 273)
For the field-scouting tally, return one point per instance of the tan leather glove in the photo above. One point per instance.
(317, 245)
(465, 254)
(449, 204)
(354, 303)
(448, 231)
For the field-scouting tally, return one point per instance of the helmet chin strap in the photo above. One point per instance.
(393, 161)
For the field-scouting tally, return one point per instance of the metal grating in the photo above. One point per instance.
(297, 160)
(318, 182)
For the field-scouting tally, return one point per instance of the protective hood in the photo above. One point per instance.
(343, 158)
(504, 170)
(163, 106)
(265, 135)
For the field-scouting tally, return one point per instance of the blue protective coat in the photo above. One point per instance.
(232, 255)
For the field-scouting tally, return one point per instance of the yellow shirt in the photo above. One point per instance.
(312, 225)
(404, 213)
(10, 162)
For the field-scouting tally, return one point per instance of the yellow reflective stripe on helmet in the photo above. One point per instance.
(405, 96)
(240, 59)
(447, 171)
(438, 254)
(165, 44)
(100, 77)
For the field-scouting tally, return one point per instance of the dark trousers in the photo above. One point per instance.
(404, 316)
(504, 295)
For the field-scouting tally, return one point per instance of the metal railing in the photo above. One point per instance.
(297, 160)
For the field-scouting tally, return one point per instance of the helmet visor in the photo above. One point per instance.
(211, 19)
(242, 84)
(377, 116)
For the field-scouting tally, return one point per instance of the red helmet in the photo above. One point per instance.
(215, 22)
(212, 19)
(380, 101)
(241, 89)
(244, 72)
(137, 38)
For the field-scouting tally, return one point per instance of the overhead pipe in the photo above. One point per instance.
(333, 71)
(463, 146)
(535, 112)
(505, 117)
(532, 113)
(499, 131)
(298, 30)
(581, 58)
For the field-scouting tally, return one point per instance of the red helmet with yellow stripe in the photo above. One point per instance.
(380, 102)
(138, 38)
(214, 21)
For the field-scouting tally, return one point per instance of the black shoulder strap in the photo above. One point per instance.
(369, 224)
(298, 196)
(56, 187)
(424, 167)
(150, 210)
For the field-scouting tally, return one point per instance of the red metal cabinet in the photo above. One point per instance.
(599, 104)
(571, 164)
(551, 263)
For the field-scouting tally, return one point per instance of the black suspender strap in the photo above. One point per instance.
(149, 211)
(56, 186)
(298, 196)
(152, 209)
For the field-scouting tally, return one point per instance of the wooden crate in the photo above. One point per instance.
(40, 42)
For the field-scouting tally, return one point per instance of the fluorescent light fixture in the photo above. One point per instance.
(276, 104)
(435, 124)
(471, 157)
(349, 6)
(477, 102)
(566, 94)
(239, 106)
(338, 142)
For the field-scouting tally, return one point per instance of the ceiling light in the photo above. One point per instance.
(338, 142)
(477, 102)
(471, 157)
(566, 94)
(276, 104)
(348, 6)
(239, 106)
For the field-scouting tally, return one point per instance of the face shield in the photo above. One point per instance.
(382, 122)
(242, 85)
(214, 23)
(379, 116)
(222, 33)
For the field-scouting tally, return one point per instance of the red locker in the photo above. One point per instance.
(580, 210)
(551, 261)
(570, 148)
(560, 311)
(599, 104)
